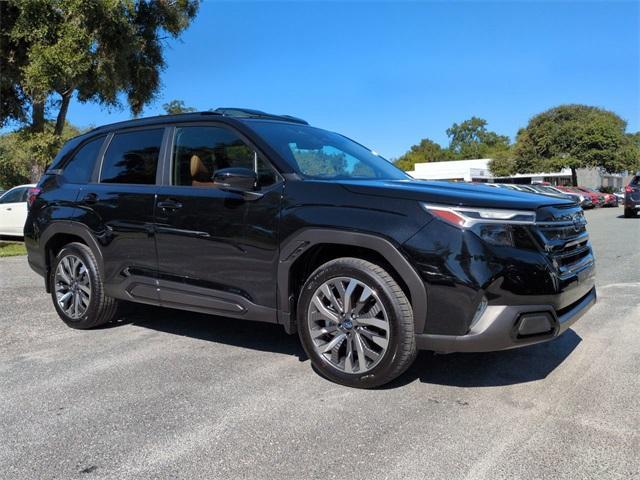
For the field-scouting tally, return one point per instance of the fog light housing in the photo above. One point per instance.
(538, 323)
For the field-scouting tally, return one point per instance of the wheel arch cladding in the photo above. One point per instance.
(59, 234)
(351, 244)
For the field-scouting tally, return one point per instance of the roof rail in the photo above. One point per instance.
(250, 113)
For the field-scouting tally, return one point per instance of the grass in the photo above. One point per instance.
(10, 249)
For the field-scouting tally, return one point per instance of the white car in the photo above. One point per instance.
(13, 210)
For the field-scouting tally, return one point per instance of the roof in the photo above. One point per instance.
(227, 112)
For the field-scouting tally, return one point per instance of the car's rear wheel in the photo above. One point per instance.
(356, 323)
(629, 212)
(77, 289)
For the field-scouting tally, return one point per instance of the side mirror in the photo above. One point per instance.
(236, 179)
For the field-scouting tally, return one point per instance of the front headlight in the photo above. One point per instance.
(494, 226)
(467, 216)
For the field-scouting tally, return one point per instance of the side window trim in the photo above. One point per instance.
(167, 174)
(97, 168)
(97, 173)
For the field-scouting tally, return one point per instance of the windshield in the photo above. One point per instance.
(316, 153)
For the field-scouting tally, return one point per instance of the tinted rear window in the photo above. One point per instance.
(80, 167)
(132, 157)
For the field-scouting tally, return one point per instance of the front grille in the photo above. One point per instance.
(562, 234)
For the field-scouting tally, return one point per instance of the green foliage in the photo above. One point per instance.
(177, 106)
(468, 140)
(471, 139)
(426, 151)
(575, 136)
(25, 154)
(96, 51)
(502, 163)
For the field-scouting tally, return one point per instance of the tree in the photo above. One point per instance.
(575, 136)
(20, 150)
(426, 151)
(471, 139)
(502, 163)
(177, 106)
(97, 51)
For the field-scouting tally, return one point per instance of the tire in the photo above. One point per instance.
(94, 308)
(629, 213)
(381, 324)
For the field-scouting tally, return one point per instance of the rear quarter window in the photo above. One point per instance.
(80, 167)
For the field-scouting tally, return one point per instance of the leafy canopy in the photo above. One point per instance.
(176, 106)
(102, 51)
(20, 149)
(426, 151)
(468, 140)
(471, 139)
(575, 136)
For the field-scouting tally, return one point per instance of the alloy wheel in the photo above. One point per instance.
(348, 324)
(72, 286)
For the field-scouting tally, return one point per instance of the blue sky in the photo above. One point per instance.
(389, 74)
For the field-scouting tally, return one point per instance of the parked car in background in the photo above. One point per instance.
(586, 201)
(13, 210)
(596, 200)
(632, 197)
(548, 190)
(610, 200)
(597, 197)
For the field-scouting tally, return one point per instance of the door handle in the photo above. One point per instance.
(169, 205)
(8, 209)
(90, 198)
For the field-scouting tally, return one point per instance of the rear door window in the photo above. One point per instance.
(80, 167)
(132, 157)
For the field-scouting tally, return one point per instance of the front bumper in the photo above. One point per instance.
(503, 327)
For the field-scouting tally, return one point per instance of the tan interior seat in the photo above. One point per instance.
(200, 174)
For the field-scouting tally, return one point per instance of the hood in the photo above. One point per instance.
(452, 193)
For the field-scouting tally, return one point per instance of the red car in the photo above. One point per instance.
(596, 198)
(602, 197)
(610, 200)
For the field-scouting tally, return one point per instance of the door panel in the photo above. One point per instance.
(214, 243)
(121, 219)
(119, 209)
(219, 241)
(12, 218)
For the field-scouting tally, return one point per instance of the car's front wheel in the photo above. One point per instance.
(77, 290)
(356, 323)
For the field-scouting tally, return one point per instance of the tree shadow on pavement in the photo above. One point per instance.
(508, 367)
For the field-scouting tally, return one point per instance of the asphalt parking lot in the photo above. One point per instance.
(168, 394)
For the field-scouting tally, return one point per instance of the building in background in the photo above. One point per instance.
(478, 171)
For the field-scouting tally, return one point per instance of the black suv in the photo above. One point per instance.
(254, 216)
(632, 197)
